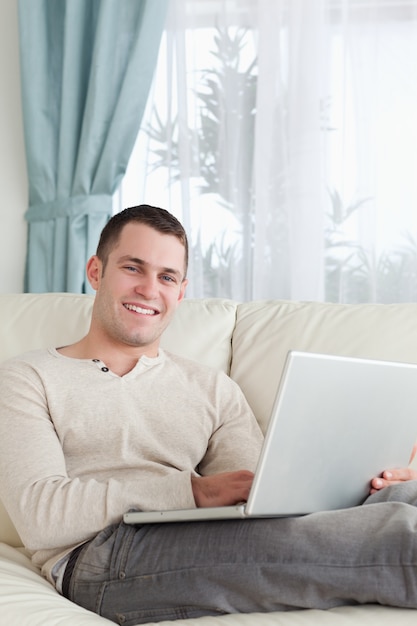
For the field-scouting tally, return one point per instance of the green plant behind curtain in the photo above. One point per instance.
(87, 67)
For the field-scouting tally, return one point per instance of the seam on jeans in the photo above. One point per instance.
(121, 549)
(99, 598)
(362, 565)
(213, 566)
(182, 611)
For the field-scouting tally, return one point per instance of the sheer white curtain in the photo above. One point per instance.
(283, 134)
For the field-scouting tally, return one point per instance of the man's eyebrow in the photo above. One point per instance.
(137, 261)
(131, 259)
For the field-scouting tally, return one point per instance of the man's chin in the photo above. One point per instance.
(141, 340)
(142, 337)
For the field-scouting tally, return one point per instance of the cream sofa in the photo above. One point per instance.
(249, 341)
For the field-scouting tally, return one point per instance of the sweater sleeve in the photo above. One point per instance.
(236, 442)
(50, 509)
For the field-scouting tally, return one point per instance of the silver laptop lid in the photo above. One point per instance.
(336, 423)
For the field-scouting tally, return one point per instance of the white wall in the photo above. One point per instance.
(13, 176)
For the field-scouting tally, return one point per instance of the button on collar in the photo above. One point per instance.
(101, 365)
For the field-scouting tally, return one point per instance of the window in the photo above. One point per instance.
(283, 136)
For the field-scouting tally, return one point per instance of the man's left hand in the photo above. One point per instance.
(394, 476)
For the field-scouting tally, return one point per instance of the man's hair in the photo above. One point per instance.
(158, 219)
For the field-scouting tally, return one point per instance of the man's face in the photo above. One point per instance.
(140, 289)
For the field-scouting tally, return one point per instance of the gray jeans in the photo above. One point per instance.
(138, 574)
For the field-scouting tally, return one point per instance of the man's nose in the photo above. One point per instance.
(148, 287)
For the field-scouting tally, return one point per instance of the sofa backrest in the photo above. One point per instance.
(266, 331)
(201, 330)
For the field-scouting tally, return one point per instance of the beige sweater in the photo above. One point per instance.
(80, 445)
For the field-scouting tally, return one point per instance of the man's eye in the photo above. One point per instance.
(130, 268)
(168, 279)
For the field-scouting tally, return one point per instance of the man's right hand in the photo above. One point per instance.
(223, 489)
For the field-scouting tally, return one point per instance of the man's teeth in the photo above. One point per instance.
(138, 309)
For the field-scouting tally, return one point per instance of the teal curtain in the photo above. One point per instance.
(87, 67)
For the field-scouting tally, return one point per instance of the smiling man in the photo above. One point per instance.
(138, 274)
(113, 422)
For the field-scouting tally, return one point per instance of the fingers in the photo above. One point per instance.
(222, 489)
(393, 477)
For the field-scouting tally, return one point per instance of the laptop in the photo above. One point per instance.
(336, 422)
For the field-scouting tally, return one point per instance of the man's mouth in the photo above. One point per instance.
(139, 309)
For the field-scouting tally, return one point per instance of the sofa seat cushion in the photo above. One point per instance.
(28, 599)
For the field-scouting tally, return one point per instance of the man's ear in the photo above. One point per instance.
(94, 272)
(182, 290)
